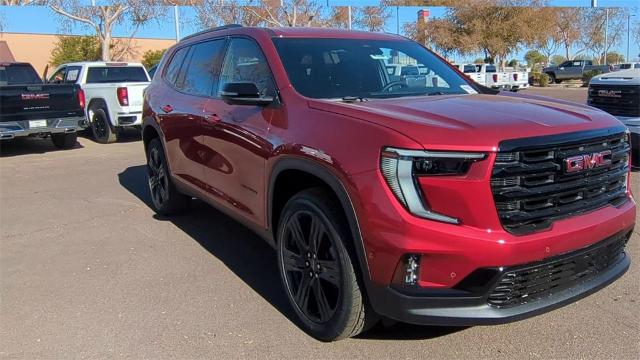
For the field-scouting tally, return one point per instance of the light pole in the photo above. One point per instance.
(176, 22)
(628, 33)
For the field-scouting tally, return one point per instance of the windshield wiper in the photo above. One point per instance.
(352, 99)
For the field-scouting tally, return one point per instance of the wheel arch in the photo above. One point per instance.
(321, 175)
(98, 103)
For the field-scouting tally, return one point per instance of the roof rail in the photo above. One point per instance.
(223, 27)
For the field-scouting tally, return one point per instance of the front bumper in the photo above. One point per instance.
(13, 129)
(457, 307)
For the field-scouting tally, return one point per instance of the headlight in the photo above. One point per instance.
(400, 168)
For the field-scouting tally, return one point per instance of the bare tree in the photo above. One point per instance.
(22, 2)
(212, 13)
(102, 19)
(291, 13)
(372, 18)
(593, 33)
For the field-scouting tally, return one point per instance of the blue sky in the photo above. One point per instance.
(36, 19)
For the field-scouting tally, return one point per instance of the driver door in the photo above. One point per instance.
(236, 134)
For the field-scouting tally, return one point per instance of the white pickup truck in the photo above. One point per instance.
(113, 92)
(471, 71)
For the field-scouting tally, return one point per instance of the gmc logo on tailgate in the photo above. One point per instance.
(43, 96)
(587, 161)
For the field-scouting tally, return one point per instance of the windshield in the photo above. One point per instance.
(340, 68)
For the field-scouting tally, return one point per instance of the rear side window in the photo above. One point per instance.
(490, 69)
(469, 69)
(202, 72)
(18, 74)
(114, 74)
(174, 65)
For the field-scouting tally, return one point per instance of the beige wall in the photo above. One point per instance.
(36, 48)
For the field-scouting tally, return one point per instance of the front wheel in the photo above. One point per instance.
(316, 269)
(166, 198)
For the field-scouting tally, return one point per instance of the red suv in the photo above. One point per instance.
(421, 197)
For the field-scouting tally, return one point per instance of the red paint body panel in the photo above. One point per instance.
(233, 157)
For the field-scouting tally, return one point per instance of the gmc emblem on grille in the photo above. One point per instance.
(610, 93)
(587, 161)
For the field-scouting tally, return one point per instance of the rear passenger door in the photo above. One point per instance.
(191, 77)
(235, 134)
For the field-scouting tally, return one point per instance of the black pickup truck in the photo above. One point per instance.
(28, 107)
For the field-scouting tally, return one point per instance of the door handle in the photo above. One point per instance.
(212, 118)
(167, 108)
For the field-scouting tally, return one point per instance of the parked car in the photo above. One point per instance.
(30, 108)
(627, 66)
(573, 70)
(451, 204)
(113, 93)
(618, 93)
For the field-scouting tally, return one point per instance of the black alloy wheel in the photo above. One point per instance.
(311, 266)
(317, 269)
(158, 179)
(166, 198)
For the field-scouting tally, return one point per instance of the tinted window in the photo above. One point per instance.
(409, 70)
(337, 68)
(114, 74)
(18, 74)
(245, 62)
(636, 66)
(490, 68)
(469, 69)
(566, 64)
(174, 65)
(203, 69)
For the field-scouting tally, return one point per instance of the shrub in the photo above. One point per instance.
(587, 75)
(151, 57)
(75, 48)
(543, 80)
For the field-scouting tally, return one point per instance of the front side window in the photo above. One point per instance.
(340, 68)
(246, 63)
(58, 76)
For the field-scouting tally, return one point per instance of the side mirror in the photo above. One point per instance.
(244, 93)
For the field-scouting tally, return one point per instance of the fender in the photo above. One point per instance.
(100, 102)
(330, 178)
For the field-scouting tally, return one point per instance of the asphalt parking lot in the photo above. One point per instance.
(87, 270)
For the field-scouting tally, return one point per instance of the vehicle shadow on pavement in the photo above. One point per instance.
(29, 145)
(251, 259)
(124, 135)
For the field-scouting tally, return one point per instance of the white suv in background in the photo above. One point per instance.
(113, 90)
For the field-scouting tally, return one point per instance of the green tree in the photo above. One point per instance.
(151, 57)
(614, 58)
(534, 58)
(75, 48)
(557, 59)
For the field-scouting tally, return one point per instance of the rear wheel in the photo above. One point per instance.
(64, 141)
(316, 269)
(552, 78)
(164, 195)
(101, 128)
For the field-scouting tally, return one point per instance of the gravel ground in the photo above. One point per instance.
(87, 270)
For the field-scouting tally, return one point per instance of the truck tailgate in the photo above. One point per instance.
(27, 102)
(135, 91)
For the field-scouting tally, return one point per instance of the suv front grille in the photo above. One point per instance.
(531, 187)
(621, 100)
(536, 281)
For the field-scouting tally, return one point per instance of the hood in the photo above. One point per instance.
(622, 77)
(473, 122)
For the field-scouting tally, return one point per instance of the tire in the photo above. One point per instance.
(318, 275)
(65, 141)
(101, 128)
(552, 78)
(166, 199)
